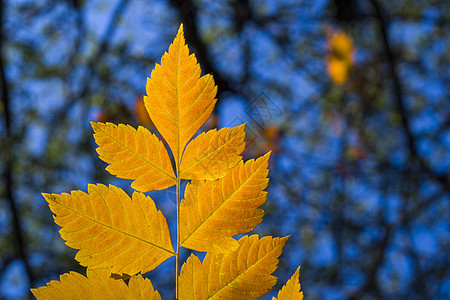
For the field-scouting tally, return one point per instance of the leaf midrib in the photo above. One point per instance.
(136, 153)
(110, 227)
(248, 268)
(208, 154)
(212, 213)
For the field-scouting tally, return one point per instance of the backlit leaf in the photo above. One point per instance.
(178, 100)
(214, 211)
(291, 290)
(242, 274)
(119, 236)
(211, 154)
(97, 285)
(112, 230)
(141, 112)
(134, 154)
(193, 280)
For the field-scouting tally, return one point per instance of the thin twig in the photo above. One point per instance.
(9, 157)
(188, 16)
(74, 97)
(398, 93)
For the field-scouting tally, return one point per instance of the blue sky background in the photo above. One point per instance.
(337, 206)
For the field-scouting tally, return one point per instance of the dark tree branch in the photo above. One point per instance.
(6, 261)
(81, 31)
(8, 172)
(91, 66)
(188, 16)
(399, 97)
(379, 254)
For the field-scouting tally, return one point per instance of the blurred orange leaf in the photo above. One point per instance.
(340, 58)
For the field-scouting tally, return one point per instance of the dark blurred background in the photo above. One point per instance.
(351, 96)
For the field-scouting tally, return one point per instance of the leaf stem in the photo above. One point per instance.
(178, 236)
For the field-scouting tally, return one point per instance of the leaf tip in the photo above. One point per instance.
(180, 33)
(283, 240)
(242, 126)
(265, 159)
(48, 197)
(97, 126)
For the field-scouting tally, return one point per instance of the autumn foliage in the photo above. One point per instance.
(340, 56)
(120, 237)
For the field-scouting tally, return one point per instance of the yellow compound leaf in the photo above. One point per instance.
(97, 285)
(178, 100)
(291, 290)
(193, 280)
(134, 154)
(211, 154)
(119, 236)
(214, 211)
(242, 274)
(112, 230)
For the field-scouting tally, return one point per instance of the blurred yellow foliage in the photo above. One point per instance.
(340, 57)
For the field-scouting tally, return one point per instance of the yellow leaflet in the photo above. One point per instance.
(211, 154)
(178, 100)
(193, 280)
(214, 211)
(97, 285)
(291, 290)
(242, 274)
(134, 154)
(112, 230)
